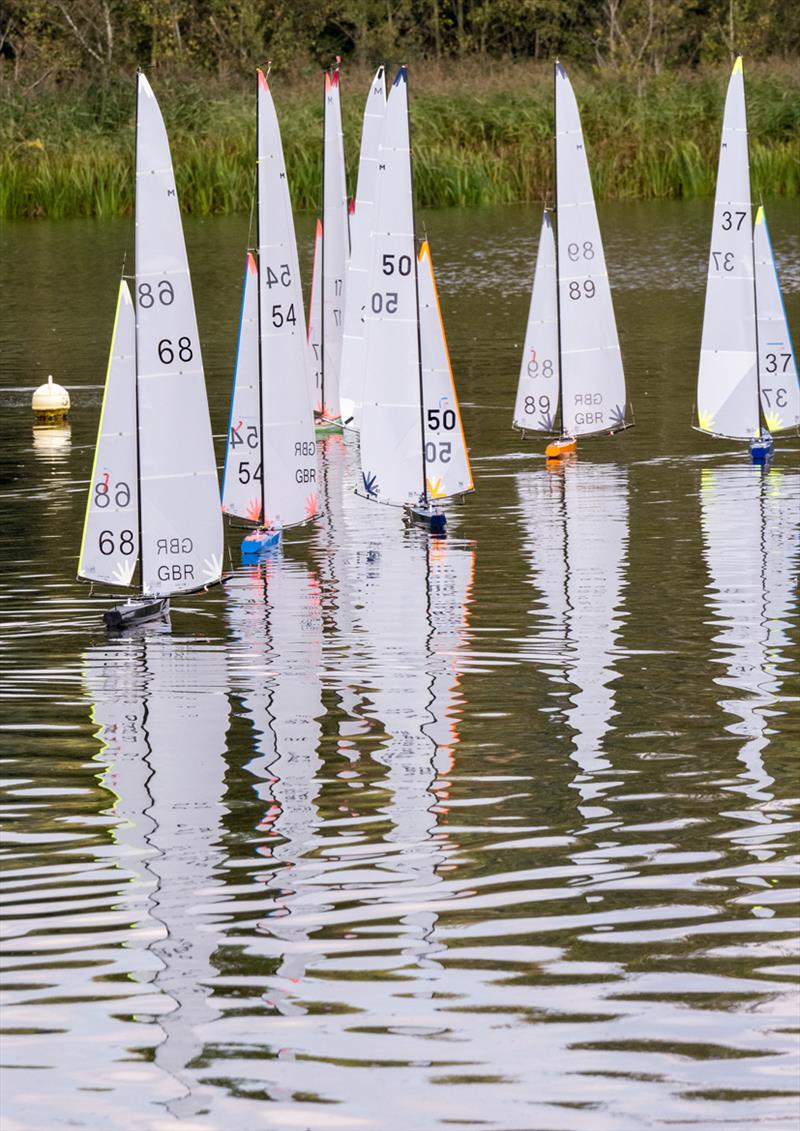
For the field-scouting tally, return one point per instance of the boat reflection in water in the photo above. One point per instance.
(349, 770)
(750, 524)
(575, 535)
(162, 709)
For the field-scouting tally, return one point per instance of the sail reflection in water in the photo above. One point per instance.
(352, 866)
(750, 522)
(162, 709)
(275, 618)
(575, 524)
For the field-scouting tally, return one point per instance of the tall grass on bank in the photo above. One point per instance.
(479, 137)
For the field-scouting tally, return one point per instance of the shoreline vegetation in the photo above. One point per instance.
(481, 134)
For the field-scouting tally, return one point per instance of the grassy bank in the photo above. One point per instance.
(480, 136)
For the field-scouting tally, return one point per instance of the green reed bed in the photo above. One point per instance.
(479, 137)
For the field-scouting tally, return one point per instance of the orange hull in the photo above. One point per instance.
(559, 448)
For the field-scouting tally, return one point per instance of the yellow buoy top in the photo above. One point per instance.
(51, 399)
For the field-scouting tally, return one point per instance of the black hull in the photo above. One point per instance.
(134, 612)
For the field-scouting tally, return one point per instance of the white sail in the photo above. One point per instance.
(777, 363)
(592, 380)
(536, 406)
(335, 247)
(446, 461)
(288, 445)
(241, 480)
(727, 393)
(110, 546)
(181, 518)
(351, 385)
(315, 323)
(391, 425)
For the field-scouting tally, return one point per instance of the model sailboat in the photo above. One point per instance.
(154, 495)
(335, 253)
(747, 381)
(351, 387)
(413, 453)
(571, 379)
(270, 473)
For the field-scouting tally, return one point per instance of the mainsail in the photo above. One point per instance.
(392, 461)
(592, 379)
(727, 381)
(287, 422)
(351, 388)
(181, 520)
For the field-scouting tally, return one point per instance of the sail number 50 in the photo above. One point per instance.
(384, 304)
(400, 263)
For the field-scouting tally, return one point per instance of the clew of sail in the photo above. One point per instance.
(110, 545)
(315, 323)
(536, 406)
(351, 389)
(241, 479)
(181, 519)
(447, 466)
(335, 247)
(391, 426)
(592, 378)
(777, 363)
(727, 396)
(287, 422)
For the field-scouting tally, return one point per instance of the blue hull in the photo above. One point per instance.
(762, 449)
(259, 542)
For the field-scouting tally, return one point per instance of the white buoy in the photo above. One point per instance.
(50, 402)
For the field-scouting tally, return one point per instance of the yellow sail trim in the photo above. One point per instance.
(425, 253)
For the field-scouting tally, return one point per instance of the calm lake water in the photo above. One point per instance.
(492, 831)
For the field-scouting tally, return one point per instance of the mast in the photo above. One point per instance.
(555, 241)
(424, 493)
(136, 351)
(258, 306)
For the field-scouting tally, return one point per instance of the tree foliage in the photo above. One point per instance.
(50, 41)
